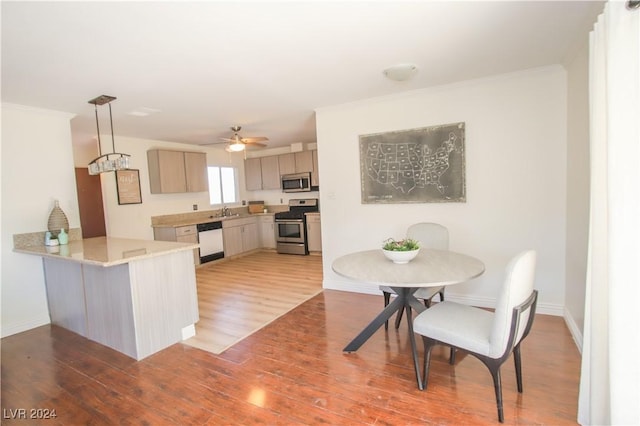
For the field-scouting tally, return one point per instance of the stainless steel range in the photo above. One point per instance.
(291, 226)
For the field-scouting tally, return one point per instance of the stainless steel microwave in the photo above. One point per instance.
(299, 182)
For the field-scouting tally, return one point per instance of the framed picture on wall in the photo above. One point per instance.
(424, 165)
(128, 186)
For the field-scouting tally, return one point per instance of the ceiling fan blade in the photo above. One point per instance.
(228, 139)
(255, 139)
(212, 143)
(255, 144)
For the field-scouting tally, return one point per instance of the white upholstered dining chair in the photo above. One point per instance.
(489, 336)
(429, 235)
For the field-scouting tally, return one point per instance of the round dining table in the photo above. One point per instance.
(430, 268)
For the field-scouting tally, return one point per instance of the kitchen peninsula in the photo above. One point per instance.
(135, 296)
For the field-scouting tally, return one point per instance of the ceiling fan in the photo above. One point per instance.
(237, 143)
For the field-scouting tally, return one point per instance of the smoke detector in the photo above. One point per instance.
(400, 72)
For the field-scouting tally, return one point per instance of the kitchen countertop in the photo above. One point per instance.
(106, 251)
(195, 221)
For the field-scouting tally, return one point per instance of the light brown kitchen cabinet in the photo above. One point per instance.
(265, 172)
(270, 172)
(287, 163)
(314, 232)
(239, 235)
(250, 237)
(180, 234)
(267, 231)
(195, 164)
(315, 177)
(253, 174)
(177, 171)
(304, 161)
(166, 171)
(232, 240)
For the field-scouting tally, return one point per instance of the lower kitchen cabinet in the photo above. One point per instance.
(240, 235)
(314, 234)
(180, 234)
(267, 231)
(250, 237)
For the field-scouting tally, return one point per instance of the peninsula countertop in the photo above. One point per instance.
(106, 251)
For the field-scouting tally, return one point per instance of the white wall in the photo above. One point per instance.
(577, 190)
(515, 171)
(37, 168)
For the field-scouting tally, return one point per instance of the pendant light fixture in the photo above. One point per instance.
(114, 160)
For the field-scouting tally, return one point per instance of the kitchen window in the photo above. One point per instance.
(223, 185)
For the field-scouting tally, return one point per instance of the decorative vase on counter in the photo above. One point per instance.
(63, 237)
(57, 220)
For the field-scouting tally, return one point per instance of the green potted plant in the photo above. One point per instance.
(400, 251)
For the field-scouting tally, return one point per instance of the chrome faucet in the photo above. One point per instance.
(224, 211)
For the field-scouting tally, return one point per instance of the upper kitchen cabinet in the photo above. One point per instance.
(253, 174)
(287, 163)
(270, 168)
(315, 177)
(177, 171)
(262, 173)
(304, 161)
(296, 162)
(195, 164)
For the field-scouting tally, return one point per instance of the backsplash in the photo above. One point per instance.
(206, 214)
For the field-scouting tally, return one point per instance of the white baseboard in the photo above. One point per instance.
(351, 286)
(188, 331)
(19, 327)
(575, 331)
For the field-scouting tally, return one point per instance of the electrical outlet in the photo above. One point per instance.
(244, 202)
(195, 207)
(281, 202)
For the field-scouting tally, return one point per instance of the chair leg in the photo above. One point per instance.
(497, 384)
(518, 365)
(441, 293)
(428, 345)
(452, 355)
(387, 298)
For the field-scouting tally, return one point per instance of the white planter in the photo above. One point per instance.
(400, 257)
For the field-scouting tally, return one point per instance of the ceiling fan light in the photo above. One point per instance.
(235, 147)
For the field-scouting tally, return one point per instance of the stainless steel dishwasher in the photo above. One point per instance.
(210, 239)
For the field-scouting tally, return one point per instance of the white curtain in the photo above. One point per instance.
(610, 379)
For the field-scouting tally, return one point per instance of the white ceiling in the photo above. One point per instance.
(263, 65)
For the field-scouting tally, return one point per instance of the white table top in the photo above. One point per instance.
(106, 251)
(431, 268)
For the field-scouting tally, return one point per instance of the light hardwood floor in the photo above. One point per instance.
(256, 289)
(291, 372)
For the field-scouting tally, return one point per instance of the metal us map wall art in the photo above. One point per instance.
(425, 165)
